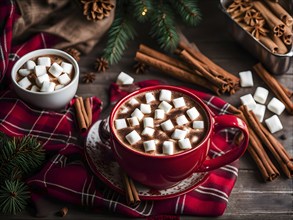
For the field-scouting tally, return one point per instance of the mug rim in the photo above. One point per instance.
(172, 88)
(49, 51)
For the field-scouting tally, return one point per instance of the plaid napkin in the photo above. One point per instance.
(66, 177)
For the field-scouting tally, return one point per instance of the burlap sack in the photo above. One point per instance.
(64, 19)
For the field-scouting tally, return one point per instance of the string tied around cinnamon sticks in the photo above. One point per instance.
(83, 113)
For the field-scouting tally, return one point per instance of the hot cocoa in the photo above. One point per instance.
(160, 122)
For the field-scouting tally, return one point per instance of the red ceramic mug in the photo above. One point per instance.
(163, 171)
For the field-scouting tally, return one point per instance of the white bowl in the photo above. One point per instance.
(48, 100)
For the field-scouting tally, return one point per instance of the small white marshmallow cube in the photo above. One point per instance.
(198, 125)
(274, 124)
(133, 137)
(35, 88)
(149, 145)
(124, 79)
(48, 86)
(149, 97)
(181, 120)
(24, 82)
(40, 70)
(148, 122)
(168, 147)
(261, 95)
(246, 79)
(64, 79)
(123, 110)
(276, 106)
(67, 67)
(248, 101)
(184, 144)
(133, 102)
(145, 108)
(42, 78)
(137, 113)
(59, 86)
(148, 131)
(165, 106)
(55, 70)
(167, 125)
(133, 121)
(179, 102)
(259, 112)
(30, 65)
(192, 113)
(44, 61)
(165, 95)
(159, 114)
(24, 72)
(179, 134)
(120, 123)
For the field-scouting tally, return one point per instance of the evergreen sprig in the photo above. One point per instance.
(141, 9)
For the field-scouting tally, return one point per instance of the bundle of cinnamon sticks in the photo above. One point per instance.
(193, 67)
(83, 113)
(131, 193)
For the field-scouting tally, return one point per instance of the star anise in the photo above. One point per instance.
(73, 52)
(101, 64)
(89, 77)
(252, 16)
(238, 7)
(140, 67)
(258, 29)
(96, 9)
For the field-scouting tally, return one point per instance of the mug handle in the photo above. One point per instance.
(222, 122)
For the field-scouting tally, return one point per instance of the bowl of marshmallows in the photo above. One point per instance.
(46, 78)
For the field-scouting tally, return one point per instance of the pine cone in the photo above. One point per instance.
(101, 64)
(96, 9)
(73, 52)
(89, 77)
(140, 67)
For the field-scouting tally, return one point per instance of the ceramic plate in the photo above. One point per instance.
(103, 164)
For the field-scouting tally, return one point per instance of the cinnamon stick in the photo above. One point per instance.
(88, 110)
(80, 119)
(131, 193)
(275, 86)
(80, 99)
(282, 49)
(280, 12)
(270, 44)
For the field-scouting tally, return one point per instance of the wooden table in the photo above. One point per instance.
(251, 197)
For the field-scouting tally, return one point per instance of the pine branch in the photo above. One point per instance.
(188, 10)
(141, 9)
(163, 27)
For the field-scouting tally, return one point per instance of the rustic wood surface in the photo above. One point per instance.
(251, 197)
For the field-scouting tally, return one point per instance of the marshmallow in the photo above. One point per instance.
(40, 70)
(165, 106)
(248, 101)
(41, 79)
(168, 147)
(198, 125)
(148, 122)
(149, 97)
(165, 95)
(133, 137)
(192, 113)
(276, 106)
(59, 86)
(55, 70)
(124, 79)
(137, 113)
(179, 134)
(167, 125)
(64, 79)
(30, 65)
(148, 131)
(246, 79)
(120, 123)
(159, 114)
(259, 112)
(181, 120)
(35, 88)
(24, 72)
(44, 61)
(179, 102)
(123, 110)
(184, 144)
(261, 95)
(274, 124)
(149, 145)
(48, 86)
(145, 108)
(67, 67)
(133, 121)
(133, 101)
(24, 82)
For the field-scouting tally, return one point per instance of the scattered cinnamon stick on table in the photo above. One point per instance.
(131, 193)
(83, 113)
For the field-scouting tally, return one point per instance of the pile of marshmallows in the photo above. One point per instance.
(43, 82)
(164, 107)
(257, 101)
